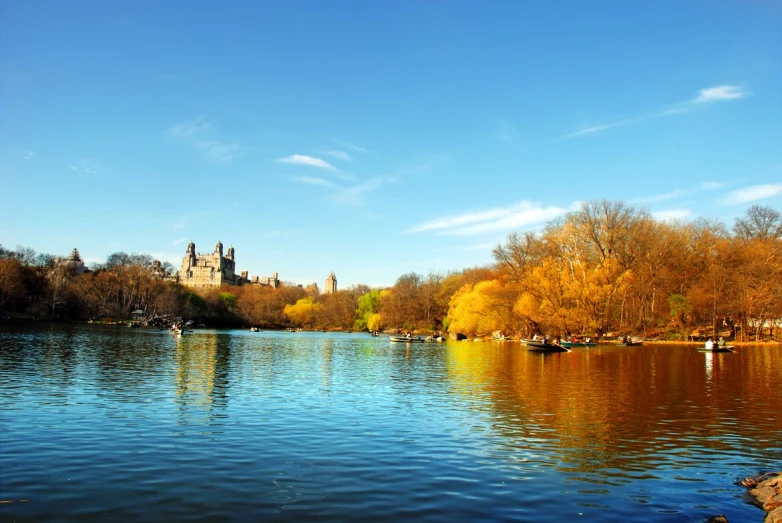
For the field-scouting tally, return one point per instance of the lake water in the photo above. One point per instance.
(118, 424)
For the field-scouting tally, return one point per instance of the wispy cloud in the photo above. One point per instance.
(311, 180)
(515, 216)
(352, 147)
(84, 167)
(672, 214)
(303, 159)
(597, 128)
(720, 93)
(342, 155)
(193, 131)
(220, 151)
(710, 186)
(355, 195)
(189, 128)
(178, 241)
(752, 194)
(28, 155)
(681, 193)
(345, 194)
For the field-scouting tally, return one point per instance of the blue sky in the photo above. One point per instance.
(373, 139)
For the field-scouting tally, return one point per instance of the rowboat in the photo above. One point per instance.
(724, 348)
(631, 343)
(577, 343)
(405, 339)
(539, 346)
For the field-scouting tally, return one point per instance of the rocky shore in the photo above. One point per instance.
(767, 490)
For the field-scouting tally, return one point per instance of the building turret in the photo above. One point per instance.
(230, 254)
(331, 284)
(190, 257)
(219, 248)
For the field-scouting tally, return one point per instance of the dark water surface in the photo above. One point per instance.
(117, 424)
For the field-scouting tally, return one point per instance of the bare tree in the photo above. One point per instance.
(761, 223)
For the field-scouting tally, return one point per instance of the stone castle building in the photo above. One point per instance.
(216, 269)
(331, 284)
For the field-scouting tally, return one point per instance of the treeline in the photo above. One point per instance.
(607, 268)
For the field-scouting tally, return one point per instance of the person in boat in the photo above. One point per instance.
(545, 340)
(721, 342)
(534, 337)
(408, 335)
(588, 340)
(709, 344)
(626, 340)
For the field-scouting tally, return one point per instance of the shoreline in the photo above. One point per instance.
(767, 491)
(26, 320)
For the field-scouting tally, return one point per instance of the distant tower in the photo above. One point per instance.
(189, 259)
(331, 284)
(230, 254)
(219, 248)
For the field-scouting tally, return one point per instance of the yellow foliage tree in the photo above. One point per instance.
(375, 322)
(303, 312)
(481, 308)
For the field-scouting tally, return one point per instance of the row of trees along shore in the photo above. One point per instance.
(606, 269)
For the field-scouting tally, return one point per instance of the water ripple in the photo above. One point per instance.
(131, 424)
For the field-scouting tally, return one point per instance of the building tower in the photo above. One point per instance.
(331, 284)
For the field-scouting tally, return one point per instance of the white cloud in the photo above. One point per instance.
(597, 128)
(753, 193)
(351, 146)
(28, 155)
(515, 216)
(180, 240)
(672, 214)
(705, 96)
(311, 180)
(720, 93)
(342, 155)
(303, 159)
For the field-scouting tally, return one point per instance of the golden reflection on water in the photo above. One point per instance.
(643, 400)
(327, 369)
(196, 361)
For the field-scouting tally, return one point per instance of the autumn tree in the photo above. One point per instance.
(11, 287)
(481, 309)
(368, 305)
(303, 312)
